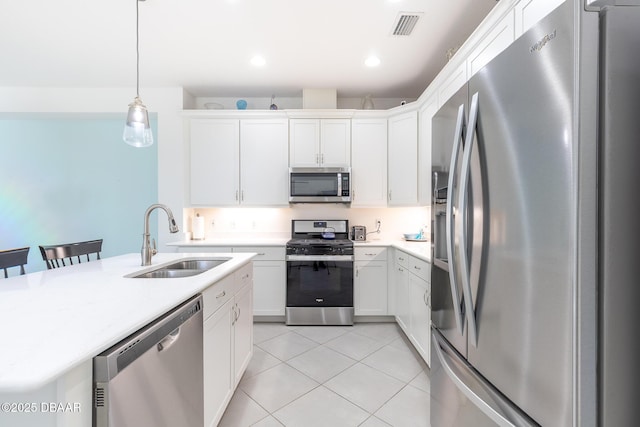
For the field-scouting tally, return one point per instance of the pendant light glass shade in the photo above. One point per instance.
(137, 131)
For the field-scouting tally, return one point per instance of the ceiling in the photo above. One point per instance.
(205, 46)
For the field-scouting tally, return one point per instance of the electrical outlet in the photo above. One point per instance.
(378, 222)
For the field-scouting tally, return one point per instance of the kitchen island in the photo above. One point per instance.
(56, 321)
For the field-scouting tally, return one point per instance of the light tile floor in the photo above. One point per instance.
(331, 376)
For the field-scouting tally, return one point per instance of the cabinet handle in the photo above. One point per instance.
(242, 196)
(389, 195)
(221, 294)
(261, 253)
(417, 268)
(425, 299)
(246, 276)
(236, 195)
(400, 258)
(400, 269)
(357, 270)
(238, 313)
(371, 254)
(317, 158)
(322, 159)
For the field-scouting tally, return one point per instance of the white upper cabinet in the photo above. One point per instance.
(529, 12)
(403, 160)
(215, 161)
(369, 162)
(425, 116)
(454, 81)
(497, 40)
(239, 162)
(319, 142)
(263, 162)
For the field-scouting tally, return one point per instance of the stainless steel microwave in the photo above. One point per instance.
(320, 185)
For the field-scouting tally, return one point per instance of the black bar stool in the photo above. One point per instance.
(55, 255)
(13, 258)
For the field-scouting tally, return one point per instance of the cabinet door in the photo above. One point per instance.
(218, 387)
(402, 297)
(264, 146)
(369, 162)
(497, 40)
(304, 142)
(426, 114)
(403, 160)
(420, 315)
(215, 161)
(242, 332)
(335, 142)
(370, 288)
(454, 81)
(269, 288)
(529, 12)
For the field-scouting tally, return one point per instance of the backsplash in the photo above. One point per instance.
(276, 222)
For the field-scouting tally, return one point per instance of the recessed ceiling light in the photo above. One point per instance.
(372, 61)
(258, 61)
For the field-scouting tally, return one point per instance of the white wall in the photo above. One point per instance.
(276, 222)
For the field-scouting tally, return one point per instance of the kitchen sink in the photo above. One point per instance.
(183, 268)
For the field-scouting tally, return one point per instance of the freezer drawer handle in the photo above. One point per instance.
(504, 413)
(459, 135)
(462, 204)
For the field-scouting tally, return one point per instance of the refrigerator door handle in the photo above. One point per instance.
(481, 393)
(450, 235)
(462, 205)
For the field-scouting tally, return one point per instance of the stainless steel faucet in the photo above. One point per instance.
(147, 250)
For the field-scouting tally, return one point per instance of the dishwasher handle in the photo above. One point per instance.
(162, 333)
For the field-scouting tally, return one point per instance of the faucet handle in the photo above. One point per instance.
(153, 247)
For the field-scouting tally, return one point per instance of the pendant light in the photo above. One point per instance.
(137, 131)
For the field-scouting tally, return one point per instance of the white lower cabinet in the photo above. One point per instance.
(228, 339)
(412, 280)
(217, 364)
(401, 282)
(269, 279)
(242, 332)
(420, 315)
(370, 281)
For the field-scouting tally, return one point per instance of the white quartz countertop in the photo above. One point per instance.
(420, 250)
(233, 241)
(54, 320)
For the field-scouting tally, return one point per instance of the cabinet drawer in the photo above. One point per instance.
(402, 258)
(265, 253)
(420, 268)
(215, 296)
(369, 253)
(244, 277)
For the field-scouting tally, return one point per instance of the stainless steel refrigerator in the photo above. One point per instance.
(536, 168)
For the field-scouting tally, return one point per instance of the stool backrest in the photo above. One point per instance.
(58, 255)
(13, 258)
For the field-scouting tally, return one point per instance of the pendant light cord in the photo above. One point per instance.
(137, 50)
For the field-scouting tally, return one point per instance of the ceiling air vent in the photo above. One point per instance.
(404, 23)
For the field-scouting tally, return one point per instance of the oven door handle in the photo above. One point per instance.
(346, 258)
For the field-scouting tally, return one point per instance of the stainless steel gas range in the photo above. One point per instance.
(319, 273)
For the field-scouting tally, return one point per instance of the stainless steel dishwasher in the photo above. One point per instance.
(154, 377)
